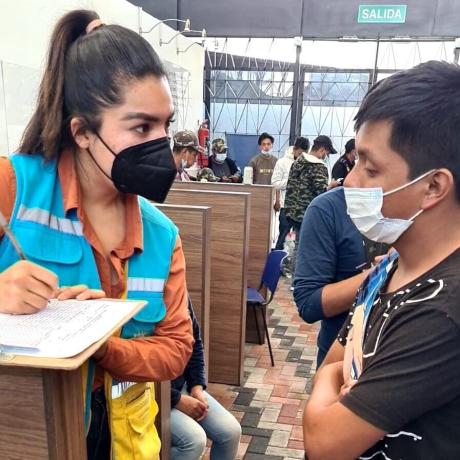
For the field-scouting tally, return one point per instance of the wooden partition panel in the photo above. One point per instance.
(41, 414)
(194, 223)
(262, 198)
(230, 214)
(194, 227)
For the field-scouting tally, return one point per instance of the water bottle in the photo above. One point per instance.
(247, 175)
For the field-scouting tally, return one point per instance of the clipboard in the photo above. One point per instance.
(73, 362)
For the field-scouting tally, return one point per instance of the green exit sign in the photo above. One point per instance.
(382, 14)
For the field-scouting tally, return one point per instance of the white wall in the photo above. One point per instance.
(25, 29)
(192, 61)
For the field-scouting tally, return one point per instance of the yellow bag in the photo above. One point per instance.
(131, 413)
(132, 422)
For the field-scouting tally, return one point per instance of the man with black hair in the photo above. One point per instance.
(388, 388)
(307, 179)
(279, 181)
(345, 163)
(264, 162)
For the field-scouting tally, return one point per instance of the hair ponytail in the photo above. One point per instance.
(45, 132)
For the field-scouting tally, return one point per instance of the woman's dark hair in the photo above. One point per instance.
(84, 74)
(422, 105)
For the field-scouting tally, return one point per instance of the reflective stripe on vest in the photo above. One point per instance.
(43, 217)
(146, 284)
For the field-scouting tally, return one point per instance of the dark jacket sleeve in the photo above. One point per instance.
(339, 171)
(195, 370)
(234, 169)
(316, 262)
(194, 373)
(175, 397)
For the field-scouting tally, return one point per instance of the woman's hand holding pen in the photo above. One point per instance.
(26, 288)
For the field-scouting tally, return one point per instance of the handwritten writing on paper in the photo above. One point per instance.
(63, 329)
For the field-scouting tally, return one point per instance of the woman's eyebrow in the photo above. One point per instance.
(144, 117)
(140, 116)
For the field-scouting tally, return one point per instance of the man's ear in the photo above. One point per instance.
(80, 132)
(441, 184)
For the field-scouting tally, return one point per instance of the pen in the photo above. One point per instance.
(5, 227)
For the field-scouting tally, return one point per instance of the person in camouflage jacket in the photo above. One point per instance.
(308, 178)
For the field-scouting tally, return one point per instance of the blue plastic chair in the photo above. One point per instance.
(256, 300)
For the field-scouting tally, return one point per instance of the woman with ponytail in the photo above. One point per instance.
(77, 197)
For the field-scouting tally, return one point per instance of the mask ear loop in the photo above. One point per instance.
(106, 146)
(410, 183)
(402, 187)
(98, 165)
(416, 215)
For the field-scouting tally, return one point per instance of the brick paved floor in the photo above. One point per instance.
(270, 403)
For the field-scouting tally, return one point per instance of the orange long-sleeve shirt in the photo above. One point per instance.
(160, 357)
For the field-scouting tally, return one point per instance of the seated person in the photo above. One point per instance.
(196, 415)
(185, 150)
(223, 167)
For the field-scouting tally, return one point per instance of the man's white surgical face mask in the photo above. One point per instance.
(266, 147)
(364, 206)
(221, 157)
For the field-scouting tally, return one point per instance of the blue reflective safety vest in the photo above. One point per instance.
(53, 239)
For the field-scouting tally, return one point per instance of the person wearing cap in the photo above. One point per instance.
(223, 167)
(185, 150)
(345, 163)
(264, 162)
(308, 178)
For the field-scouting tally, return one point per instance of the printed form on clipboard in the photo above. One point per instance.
(63, 329)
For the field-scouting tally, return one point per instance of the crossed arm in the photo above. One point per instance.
(331, 431)
(332, 427)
